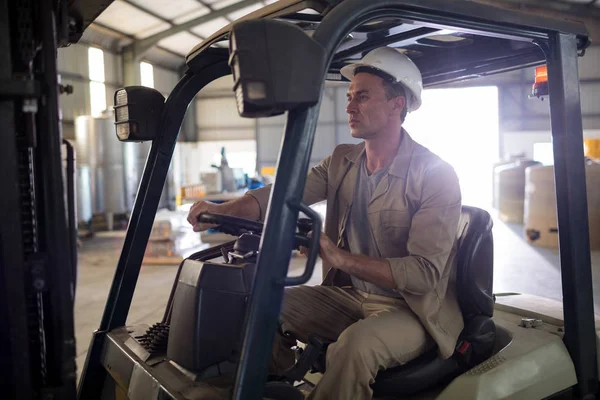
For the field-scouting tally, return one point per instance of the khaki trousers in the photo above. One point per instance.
(371, 333)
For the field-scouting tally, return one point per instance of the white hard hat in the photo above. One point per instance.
(395, 64)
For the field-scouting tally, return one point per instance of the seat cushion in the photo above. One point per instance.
(429, 370)
(424, 372)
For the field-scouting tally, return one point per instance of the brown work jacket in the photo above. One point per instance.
(414, 214)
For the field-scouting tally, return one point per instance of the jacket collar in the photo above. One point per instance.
(401, 162)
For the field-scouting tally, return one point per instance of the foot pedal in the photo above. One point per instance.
(314, 350)
(156, 338)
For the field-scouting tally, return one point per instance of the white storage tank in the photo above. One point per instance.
(512, 159)
(135, 155)
(108, 171)
(495, 167)
(541, 223)
(510, 190)
(100, 173)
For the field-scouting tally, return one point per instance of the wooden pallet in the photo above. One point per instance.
(164, 260)
(175, 259)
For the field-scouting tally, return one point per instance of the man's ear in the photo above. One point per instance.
(399, 103)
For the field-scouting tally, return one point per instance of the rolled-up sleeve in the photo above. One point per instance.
(315, 189)
(261, 195)
(432, 233)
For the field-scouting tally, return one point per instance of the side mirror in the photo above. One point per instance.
(276, 67)
(137, 113)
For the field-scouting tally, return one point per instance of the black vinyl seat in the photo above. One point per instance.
(474, 280)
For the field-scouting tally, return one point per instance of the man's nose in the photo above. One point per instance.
(351, 107)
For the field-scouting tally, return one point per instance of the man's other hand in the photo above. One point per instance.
(328, 251)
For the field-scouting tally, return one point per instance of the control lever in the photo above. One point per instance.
(313, 245)
(225, 255)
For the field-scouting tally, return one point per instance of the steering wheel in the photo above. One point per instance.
(237, 226)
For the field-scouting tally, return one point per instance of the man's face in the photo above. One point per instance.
(369, 110)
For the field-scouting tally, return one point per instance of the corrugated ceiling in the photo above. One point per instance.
(125, 21)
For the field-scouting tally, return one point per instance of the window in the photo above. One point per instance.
(147, 74)
(98, 98)
(97, 87)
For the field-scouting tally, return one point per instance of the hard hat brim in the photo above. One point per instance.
(347, 71)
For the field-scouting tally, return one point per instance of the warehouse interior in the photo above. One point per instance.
(488, 129)
(492, 130)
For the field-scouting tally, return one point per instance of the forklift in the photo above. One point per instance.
(517, 346)
(215, 339)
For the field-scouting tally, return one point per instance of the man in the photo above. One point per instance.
(389, 247)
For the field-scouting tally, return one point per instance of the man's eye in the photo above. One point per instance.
(364, 98)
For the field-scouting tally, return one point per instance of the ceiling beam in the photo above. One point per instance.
(157, 16)
(139, 47)
(212, 9)
(132, 38)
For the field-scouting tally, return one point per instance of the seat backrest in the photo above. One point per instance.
(475, 269)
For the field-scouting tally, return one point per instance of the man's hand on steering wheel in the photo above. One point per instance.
(197, 209)
(203, 219)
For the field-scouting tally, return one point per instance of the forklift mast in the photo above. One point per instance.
(38, 259)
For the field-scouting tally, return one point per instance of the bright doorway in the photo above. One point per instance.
(461, 126)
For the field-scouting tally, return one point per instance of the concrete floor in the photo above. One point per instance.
(97, 262)
(519, 267)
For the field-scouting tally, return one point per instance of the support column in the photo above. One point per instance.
(131, 67)
(571, 198)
